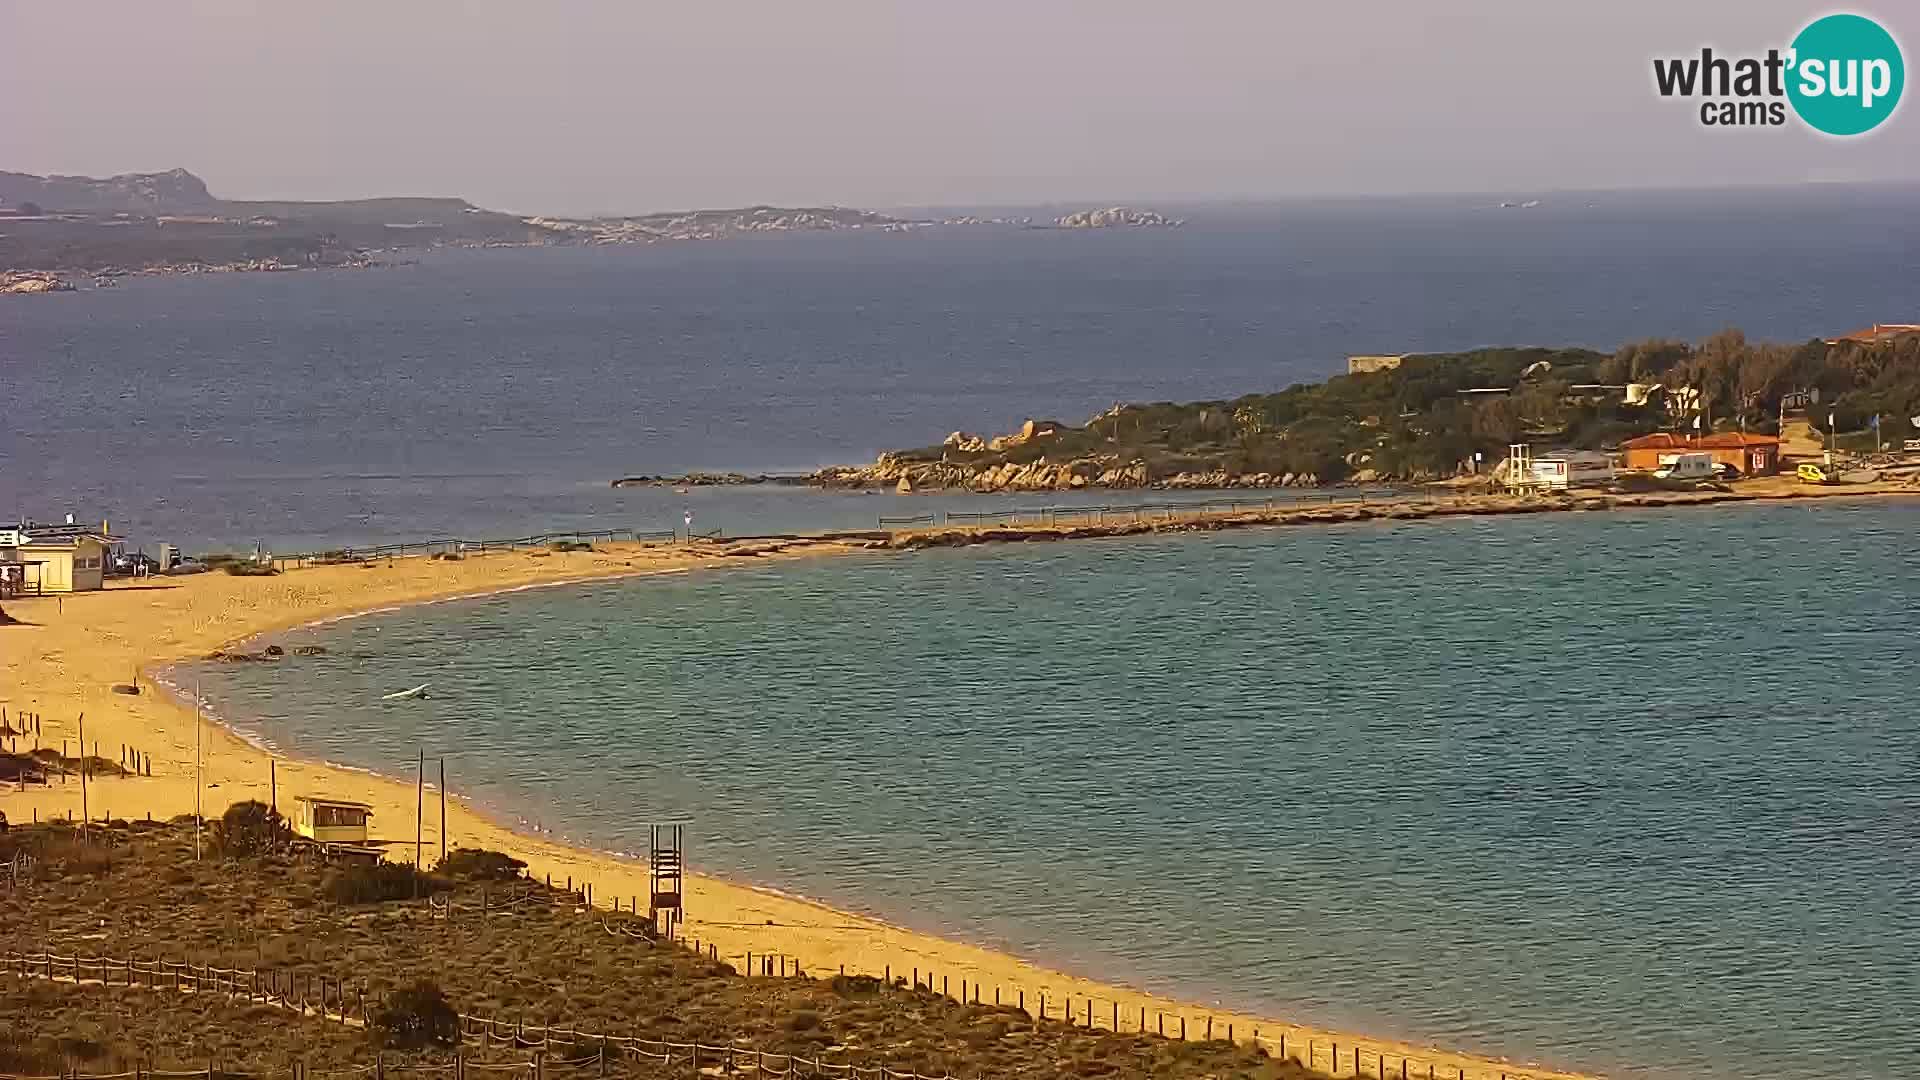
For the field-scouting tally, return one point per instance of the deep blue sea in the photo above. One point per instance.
(1634, 791)
(495, 393)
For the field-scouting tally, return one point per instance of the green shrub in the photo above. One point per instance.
(377, 883)
(417, 1017)
(856, 985)
(251, 569)
(250, 829)
(475, 864)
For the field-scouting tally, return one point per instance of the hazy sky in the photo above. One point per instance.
(629, 105)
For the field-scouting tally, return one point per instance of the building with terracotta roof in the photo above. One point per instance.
(1747, 455)
(1877, 333)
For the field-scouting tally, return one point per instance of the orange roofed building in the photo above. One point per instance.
(1877, 333)
(1749, 455)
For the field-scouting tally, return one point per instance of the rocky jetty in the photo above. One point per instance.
(1117, 217)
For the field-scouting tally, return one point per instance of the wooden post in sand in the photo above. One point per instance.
(199, 771)
(443, 810)
(419, 812)
(83, 774)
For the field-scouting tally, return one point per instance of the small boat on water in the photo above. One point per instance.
(404, 695)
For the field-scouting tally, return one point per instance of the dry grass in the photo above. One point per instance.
(535, 963)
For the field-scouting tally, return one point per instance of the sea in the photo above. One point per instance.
(491, 394)
(1634, 792)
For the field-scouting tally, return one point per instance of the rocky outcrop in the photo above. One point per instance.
(225, 657)
(1117, 217)
(23, 284)
(906, 474)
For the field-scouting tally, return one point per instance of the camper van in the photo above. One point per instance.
(1697, 466)
(1569, 471)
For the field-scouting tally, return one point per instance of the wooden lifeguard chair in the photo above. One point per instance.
(666, 863)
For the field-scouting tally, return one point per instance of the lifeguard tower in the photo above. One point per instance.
(666, 861)
(331, 821)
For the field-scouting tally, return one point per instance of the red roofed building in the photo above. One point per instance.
(1876, 333)
(1749, 455)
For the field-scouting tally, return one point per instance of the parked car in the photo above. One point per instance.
(1811, 473)
(132, 564)
(189, 566)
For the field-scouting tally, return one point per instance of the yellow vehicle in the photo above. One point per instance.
(1811, 473)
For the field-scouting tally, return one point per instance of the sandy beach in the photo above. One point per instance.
(68, 652)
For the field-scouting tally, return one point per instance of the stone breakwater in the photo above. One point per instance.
(1407, 509)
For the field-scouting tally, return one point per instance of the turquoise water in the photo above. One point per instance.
(1634, 792)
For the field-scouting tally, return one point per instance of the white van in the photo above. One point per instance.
(1695, 466)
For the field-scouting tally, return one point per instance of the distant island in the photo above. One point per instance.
(169, 222)
(1117, 217)
(1430, 417)
(53, 228)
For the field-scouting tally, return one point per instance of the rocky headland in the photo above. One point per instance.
(1117, 217)
(1423, 418)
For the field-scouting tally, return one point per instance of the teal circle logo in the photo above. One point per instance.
(1847, 74)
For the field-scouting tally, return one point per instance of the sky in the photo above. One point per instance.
(625, 106)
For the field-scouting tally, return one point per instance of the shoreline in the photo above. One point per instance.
(207, 612)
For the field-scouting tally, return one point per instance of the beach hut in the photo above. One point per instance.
(54, 565)
(331, 821)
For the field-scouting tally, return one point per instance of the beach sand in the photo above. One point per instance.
(64, 659)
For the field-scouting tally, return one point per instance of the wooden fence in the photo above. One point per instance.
(1334, 1056)
(536, 1067)
(348, 1003)
(345, 1002)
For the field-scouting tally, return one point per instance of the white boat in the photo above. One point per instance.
(398, 695)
